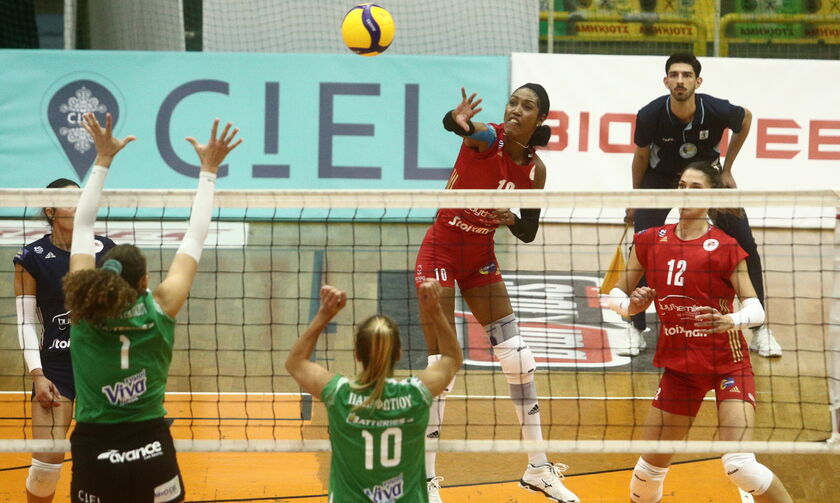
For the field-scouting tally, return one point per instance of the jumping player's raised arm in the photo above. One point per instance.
(311, 376)
(437, 375)
(477, 135)
(172, 292)
(82, 253)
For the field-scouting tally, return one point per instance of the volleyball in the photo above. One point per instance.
(367, 29)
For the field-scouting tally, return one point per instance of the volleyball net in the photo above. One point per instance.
(268, 253)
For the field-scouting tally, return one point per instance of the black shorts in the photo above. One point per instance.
(124, 463)
(60, 372)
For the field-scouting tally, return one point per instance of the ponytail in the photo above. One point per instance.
(540, 137)
(378, 348)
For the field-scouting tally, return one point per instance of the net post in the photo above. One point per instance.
(832, 353)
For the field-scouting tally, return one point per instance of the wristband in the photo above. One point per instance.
(449, 124)
(619, 302)
(750, 315)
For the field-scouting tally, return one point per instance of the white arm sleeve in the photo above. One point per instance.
(750, 315)
(619, 302)
(202, 207)
(27, 335)
(86, 213)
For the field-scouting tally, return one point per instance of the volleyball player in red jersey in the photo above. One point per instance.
(695, 271)
(459, 247)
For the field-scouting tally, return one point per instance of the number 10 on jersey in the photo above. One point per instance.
(389, 456)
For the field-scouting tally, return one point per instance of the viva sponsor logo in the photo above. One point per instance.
(388, 491)
(126, 391)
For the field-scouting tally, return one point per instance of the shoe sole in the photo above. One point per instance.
(627, 353)
(534, 489)
(769, 354)
(766, 354)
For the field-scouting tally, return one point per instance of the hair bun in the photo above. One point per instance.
(540, 137)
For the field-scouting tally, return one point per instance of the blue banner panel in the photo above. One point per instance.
(310, 121)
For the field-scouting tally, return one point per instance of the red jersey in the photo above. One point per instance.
(687, 275)
(491, 169)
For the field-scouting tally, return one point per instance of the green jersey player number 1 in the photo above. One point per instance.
(123, 334)
(377, 423)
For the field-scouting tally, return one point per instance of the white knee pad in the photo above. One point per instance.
(432, 359)
(42, 479)
(747, 473)
(517, 360)
(646, 482)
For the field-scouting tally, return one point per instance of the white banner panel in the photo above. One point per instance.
(145, 234)
(794, 142)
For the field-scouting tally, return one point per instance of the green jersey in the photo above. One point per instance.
(121, 366)
(378, 452)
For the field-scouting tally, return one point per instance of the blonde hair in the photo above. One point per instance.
(378, 347)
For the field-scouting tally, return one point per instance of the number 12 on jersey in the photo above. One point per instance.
(388, 458)
(676, 273)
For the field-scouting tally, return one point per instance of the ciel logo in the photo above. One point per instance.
(65, 111)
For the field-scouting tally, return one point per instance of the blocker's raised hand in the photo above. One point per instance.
(213, 153)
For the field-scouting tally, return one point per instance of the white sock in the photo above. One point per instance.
(524, 397)
(646, 482)
(435, 421)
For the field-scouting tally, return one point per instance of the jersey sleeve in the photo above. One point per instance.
(642, 244)
(26, 258)
(643, 135)
(420, 391)
(734, 116)
(330, 391)
(735, 255)
(107, 244)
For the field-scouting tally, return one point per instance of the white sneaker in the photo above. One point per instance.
(548, 479)
(433, 486)
(634, 340)
(764, 343)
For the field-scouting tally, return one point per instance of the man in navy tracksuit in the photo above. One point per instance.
(673, 131)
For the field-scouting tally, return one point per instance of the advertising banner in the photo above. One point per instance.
(315, 121)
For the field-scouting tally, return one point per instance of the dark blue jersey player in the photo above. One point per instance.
(673, 131)
(39, 269)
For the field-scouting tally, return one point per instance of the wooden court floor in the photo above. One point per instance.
(220, 477)
(227, 379)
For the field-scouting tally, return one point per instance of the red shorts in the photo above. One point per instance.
(683, 394)
(450, 255)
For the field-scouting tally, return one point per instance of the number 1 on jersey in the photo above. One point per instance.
(126, 342)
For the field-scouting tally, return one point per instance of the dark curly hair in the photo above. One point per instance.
(95, 295)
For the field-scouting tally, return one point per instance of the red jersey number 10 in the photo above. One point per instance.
(506, 185)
